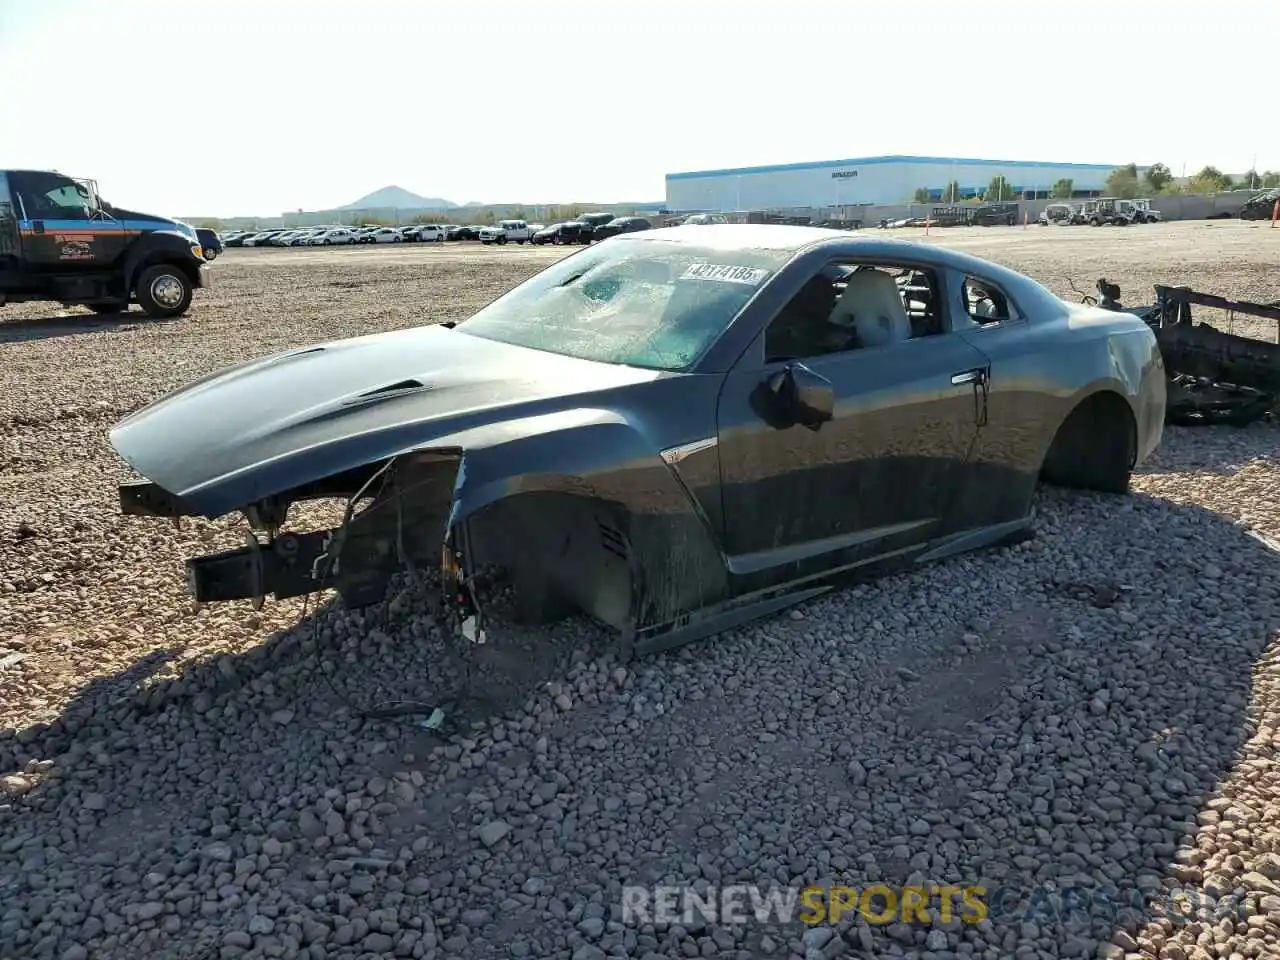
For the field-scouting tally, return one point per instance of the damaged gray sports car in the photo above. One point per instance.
(672, 432)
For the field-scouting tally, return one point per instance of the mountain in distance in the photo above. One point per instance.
(398, 198)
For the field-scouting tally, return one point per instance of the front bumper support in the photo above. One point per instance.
(286, 567)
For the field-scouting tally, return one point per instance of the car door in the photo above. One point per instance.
(1006, 461)
(878, 478)
(62, 225)
(8, 221)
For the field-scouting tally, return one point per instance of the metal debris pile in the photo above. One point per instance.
(1215, 376)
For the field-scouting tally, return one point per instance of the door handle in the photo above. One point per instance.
(967, 376)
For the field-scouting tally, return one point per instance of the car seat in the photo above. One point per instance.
(872, 305)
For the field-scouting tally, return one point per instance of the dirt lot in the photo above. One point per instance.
(182, 781)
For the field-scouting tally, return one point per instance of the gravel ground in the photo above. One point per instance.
(1096, 709)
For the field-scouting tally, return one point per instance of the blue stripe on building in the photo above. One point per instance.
(872, 161)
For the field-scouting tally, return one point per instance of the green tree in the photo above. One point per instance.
(921, 195)
(952, 193)
(1063, 189)
(1123, 182)
(1157, 177)
(1271, 179)
(1209, 180)
(999, 189)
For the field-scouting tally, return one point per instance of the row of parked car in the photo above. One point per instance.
(584, 229)
(1102, 211)
(327, 236)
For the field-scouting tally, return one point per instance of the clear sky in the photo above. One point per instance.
(227, 107)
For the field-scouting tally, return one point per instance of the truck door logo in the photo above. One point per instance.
(75, 246)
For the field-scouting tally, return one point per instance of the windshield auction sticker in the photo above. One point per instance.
(725, 273)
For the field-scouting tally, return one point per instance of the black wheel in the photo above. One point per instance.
(1095, 447)
(502, 240)
(211, 255)
(164, 291)
(327, 242)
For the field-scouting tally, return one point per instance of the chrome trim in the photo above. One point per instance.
(673, 455)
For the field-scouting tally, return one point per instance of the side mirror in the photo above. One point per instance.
(802, 396)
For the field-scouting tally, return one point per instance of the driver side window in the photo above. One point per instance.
(54, 198)
(855, 306)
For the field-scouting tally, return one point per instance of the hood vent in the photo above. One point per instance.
(395, 388)
(386, 392)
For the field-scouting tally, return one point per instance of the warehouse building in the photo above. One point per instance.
(870, 180)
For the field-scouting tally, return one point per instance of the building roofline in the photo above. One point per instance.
(869, 161)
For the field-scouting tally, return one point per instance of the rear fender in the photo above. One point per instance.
(1126, 363)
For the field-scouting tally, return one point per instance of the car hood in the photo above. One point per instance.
(134, 220)
(271, 424)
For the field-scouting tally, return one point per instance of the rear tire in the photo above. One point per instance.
(211, 255)
(164, 291)
(1095, 447)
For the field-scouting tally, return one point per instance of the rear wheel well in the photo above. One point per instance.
(1095, 447)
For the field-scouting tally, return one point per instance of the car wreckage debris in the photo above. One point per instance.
(1214, 376)
(406, 527)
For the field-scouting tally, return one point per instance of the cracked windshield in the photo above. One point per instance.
(644, 303)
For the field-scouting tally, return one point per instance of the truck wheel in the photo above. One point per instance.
(164, 291)
(502, 240)
(211, 255)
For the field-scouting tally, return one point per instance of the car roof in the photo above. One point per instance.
(744, 236)
(872, 244)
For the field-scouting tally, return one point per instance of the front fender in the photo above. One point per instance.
(158, 246)
(591, 490)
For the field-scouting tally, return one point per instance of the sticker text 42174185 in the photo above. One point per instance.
(724, 273)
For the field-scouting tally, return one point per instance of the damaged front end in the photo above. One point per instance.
(401, 515)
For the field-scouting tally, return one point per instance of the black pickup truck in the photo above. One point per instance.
(60, 241)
